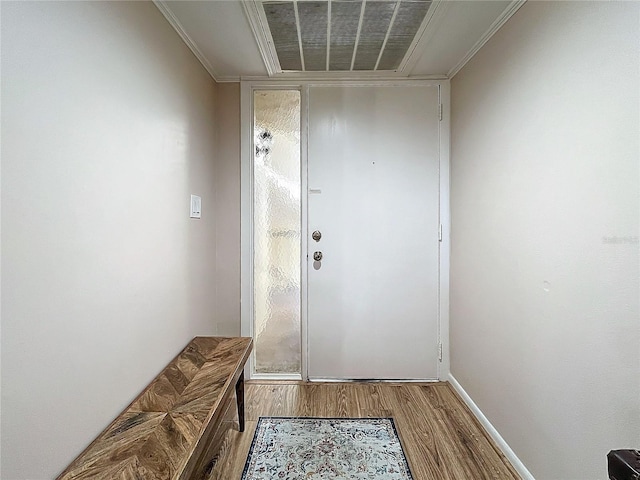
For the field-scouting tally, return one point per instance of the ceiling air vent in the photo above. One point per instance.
(343, 35)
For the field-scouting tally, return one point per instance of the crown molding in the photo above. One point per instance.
(258, 21)
(229, 79)
(426, 31)
(508, 12)
(348, 76)
(177, 26)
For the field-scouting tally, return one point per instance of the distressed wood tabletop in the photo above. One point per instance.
(162, 433)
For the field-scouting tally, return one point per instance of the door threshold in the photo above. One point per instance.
(274, 377)
(373, 380)
(275, 381)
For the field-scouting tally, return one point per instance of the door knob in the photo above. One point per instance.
(317, 256)
(317, 235)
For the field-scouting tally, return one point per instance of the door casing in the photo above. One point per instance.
(246, 211)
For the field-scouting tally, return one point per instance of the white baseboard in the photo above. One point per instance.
(491, 430)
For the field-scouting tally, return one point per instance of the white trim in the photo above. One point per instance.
(246, 221)
(304, 229)
(373, 82)
(445, 221)
(276, 376)
(257, 20)
(361, 75)
(508, 12)
(177, 26)
(427, 29)
(491, 430)
(228, 79)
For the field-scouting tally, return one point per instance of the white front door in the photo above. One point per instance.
(373, 179)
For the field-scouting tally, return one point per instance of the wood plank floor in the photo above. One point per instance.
(440, 436)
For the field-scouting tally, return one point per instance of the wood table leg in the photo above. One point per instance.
(240, 400)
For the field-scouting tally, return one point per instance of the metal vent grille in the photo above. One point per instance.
(343, 35)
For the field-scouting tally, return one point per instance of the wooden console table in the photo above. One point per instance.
(167, 432)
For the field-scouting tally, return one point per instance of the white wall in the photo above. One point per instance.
(545, 320)
(107, 127)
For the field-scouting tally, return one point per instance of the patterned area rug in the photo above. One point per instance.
(326, 448)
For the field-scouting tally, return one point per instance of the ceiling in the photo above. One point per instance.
(232, 38)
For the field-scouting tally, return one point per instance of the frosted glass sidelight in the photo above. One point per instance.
(276, 229)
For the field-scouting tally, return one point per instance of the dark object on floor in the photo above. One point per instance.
(624, 464)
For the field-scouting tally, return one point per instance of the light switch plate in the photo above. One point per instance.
(196, 206)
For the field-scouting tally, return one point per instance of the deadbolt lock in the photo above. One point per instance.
(317, 256)
(316, 235)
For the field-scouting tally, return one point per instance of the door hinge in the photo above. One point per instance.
(440, 233)
(440, 112)
(440, 352)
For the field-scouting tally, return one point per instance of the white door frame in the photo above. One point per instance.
(246, 211)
